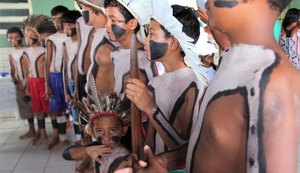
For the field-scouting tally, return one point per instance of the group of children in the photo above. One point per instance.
(245, 120)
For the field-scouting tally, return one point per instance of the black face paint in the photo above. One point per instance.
(19, 42)
(225, 4)
(100, 140)
(118, 31)
(86, 16)
(157, 50)
(116, 139)
(34, 41)
(73, 31)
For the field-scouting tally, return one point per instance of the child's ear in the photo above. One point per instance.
(124, 130)
(174, 43)
(133, 24)
(89, 130)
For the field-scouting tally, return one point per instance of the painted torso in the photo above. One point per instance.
(222, 141)
(57, 41)
(17, 55)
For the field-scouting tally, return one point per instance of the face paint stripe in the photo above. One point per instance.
(118, 31)
(225, 4)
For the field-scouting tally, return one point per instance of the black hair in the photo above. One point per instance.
(292, 15)
(58, 10)
(46, 27)
(14, 30)
(187, 17)
(70, 16)
(279, 4)
(127, 15)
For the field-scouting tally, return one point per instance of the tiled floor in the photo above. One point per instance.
(19, 156)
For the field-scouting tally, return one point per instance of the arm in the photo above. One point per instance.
(13, 70)
(25, 62)
(49, 51)
(65, 74)
(75, 98)
(281, 125)
(138, 93)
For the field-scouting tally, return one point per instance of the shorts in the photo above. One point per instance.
(81, 86)
(57, 100)
(37, 91)
(71, 88)
(24, 107)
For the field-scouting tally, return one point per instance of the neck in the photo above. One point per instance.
(173, 62)
(19, 47)
(35, 45)
(99, 24)
(60, 31)
(74, 38)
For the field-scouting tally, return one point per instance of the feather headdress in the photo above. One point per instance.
(97, 104)
(33, 21)
(163, 14)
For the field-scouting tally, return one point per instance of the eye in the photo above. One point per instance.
(113, 130)
(99, 131)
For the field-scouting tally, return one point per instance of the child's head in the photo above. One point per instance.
(14, 36)
(68, 20)
(161, 42)
(32, 37)
(92, 11)
(107, 127)
(290, 20)
(45, 29)
(119, 20)
(56, 14)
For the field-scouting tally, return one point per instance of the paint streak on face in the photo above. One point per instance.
(225, 4)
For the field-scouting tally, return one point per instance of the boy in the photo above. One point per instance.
(107, 124)
(35, 58)
(70, 64)
(170, 101)
(123, 20)
(54, 79)
(16, 60)
(251, 109)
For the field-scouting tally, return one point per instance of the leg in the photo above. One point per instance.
(62, 124)
(42, 131)
(31, 131)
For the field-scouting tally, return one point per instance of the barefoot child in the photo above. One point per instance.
(16, 60)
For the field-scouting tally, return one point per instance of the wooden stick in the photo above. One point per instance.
(136, 121)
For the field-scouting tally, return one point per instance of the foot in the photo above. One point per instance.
(27, 135)
(58, 145)
(39, 140)
(84, 165)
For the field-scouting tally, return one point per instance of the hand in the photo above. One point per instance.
(48, 93)
(152, 164)
(203, 15)
(68, 99)
(98, 150)
(20, 86)
(138, 93)
(75, 98)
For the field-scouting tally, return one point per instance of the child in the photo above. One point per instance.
(70, 64)
(206, 54)
(107, 123)
(170, 101)
(16, 60)
(54, 79)
(35, 56)
(250, 110)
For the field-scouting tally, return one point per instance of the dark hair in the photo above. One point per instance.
(14, 30)
(46, 27)
(292, 15)
(187, 17)
(127, 15)
(279, 4)
(58, 10)
(70, 16)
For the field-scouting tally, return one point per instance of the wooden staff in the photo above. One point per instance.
(136, 121)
